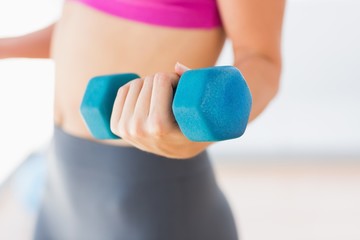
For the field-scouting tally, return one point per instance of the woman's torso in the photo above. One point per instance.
(98, 191)
(87, 42)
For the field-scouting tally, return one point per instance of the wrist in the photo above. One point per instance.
(187, 151)
(8, 48)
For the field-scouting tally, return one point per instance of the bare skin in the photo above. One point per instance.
(86, 43)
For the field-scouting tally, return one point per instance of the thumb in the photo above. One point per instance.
(180, 69)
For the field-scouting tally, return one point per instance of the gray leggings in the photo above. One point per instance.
(103, 192)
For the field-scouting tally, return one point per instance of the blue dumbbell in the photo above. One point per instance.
(210, 104)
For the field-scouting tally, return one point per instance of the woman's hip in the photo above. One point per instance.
(99, 191)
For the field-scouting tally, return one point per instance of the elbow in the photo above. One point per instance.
(274, 88)
(274, 76)
(264, 84)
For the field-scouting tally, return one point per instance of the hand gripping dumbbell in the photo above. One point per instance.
(210, 104)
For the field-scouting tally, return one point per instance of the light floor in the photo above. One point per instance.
(294, 202)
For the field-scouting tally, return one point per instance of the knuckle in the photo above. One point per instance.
(113, 127)
(158, 132)
(161, 77)
(148, 80)
(136, 83)
(157, 127)
(122, 90)
(123, 130)
(136, 129)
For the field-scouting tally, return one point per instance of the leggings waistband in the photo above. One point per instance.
(85, 156)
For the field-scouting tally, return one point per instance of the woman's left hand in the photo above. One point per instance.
(142, 115)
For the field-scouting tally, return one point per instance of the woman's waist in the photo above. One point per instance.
(81, 157)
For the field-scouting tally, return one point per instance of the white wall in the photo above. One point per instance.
(315, 113)
(26, 86)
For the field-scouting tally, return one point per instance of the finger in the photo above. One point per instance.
(131, 99)
(118, 107)
(162, 95)
(142, 107)
(180, 68)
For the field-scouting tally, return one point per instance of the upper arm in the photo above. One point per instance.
(253, 26)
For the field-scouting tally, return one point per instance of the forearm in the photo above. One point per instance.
(32, 45)
(262, 75)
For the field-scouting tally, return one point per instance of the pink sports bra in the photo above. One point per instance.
(171, 13)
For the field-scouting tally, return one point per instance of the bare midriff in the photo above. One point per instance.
(88, 43)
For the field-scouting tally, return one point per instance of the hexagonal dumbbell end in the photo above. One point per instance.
(96, 106)
(212, 104)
